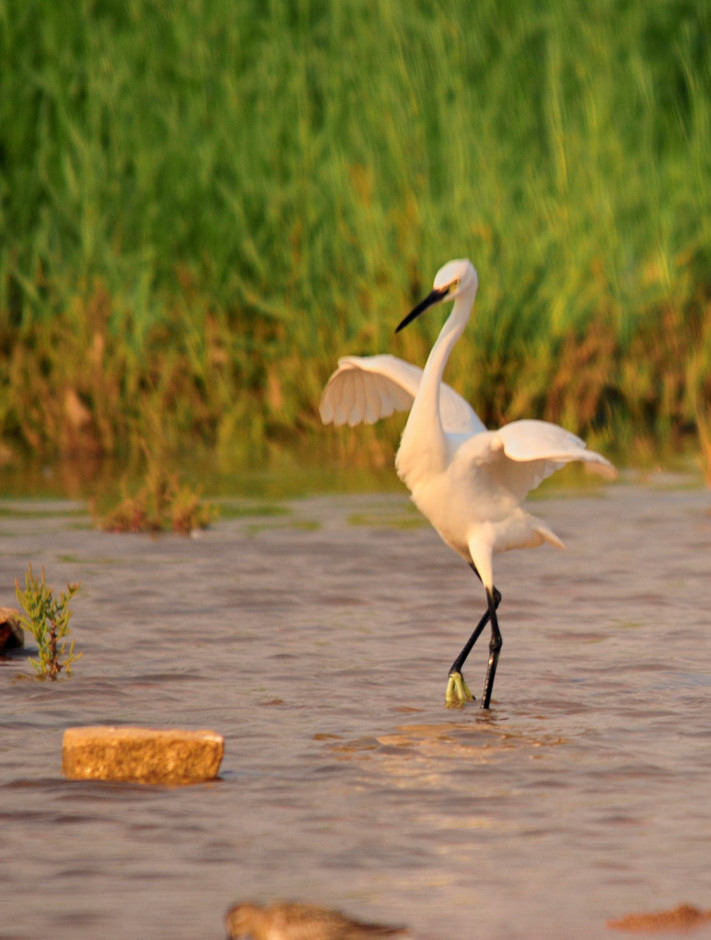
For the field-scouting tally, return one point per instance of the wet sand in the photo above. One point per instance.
(317, 642)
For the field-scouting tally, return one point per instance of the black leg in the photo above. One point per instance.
(461, 659)
(495, 644)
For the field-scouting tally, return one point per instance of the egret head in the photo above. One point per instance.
(453, 279)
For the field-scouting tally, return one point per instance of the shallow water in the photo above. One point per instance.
(318, 642)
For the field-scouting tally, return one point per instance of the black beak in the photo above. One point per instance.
(434, 297)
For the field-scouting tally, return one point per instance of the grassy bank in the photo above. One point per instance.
(203, 205)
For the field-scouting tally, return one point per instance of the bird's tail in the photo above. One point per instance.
(547, 534)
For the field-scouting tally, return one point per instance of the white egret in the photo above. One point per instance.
(468, 481)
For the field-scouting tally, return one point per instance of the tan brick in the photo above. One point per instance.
(143, 755)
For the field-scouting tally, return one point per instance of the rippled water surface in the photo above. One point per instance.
(317, 642)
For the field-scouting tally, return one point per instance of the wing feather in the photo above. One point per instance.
(368, 388)
(373, 393)
(531, 440)
(520, 455)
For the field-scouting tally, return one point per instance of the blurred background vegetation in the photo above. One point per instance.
(204, 203)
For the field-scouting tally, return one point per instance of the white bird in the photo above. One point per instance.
(468, 481)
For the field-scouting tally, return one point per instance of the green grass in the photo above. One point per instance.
(203, 204)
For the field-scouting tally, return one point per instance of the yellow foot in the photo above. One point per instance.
(457, 694)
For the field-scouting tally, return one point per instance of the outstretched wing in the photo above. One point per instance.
(368, 388)
(522, 454)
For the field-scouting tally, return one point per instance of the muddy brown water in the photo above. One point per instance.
(317, 641)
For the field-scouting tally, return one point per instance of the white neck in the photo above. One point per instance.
(453, 328)
(423, 438)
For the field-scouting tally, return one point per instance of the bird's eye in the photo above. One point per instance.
(453, 286)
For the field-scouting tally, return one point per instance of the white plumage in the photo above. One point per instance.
(468, 481)
(364, 389)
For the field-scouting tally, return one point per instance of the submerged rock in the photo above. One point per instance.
(141, 755)
(290, 920)
(681, 917)
(12, 635)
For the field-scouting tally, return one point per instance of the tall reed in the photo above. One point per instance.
(203, 204)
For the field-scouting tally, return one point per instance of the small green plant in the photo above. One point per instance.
(47, 619)
(162, 504)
